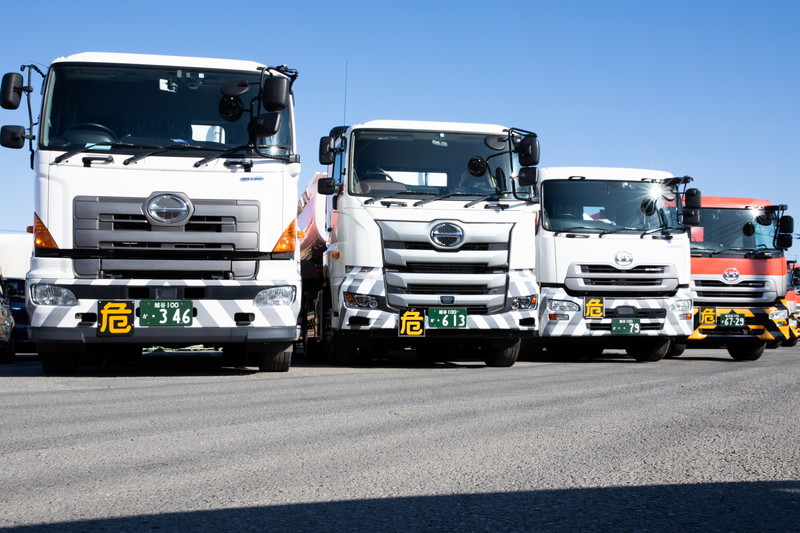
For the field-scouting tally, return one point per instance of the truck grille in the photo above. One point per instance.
(474, 271)
(118, 227)
(638, 281)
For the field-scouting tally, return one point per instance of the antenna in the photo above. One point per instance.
(344, 112)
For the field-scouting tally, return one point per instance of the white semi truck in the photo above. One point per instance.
(419, 236)
(164, 208)
(613, 260)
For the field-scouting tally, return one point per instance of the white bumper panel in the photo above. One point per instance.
(574, 324)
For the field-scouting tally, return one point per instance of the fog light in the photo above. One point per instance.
(52, 295)
(283, 295)
(559, 316)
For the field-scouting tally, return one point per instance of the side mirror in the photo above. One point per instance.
(528, 176)
(528, 151)
(265, 125)
(326, 155)
(275, 93)
(12, 136)
(786, 224)
(783, 241)
(11, 90)
(326, 186)
(693, 199)
(691, 217)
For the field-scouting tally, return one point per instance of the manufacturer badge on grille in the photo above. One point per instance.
(168, 209)
(730, 275)
(623, 258)
(447, 235)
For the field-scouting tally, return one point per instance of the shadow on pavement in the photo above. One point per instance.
(747, 506)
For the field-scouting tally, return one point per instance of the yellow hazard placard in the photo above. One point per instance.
(116, 319)
(411, 323)
(593, 307)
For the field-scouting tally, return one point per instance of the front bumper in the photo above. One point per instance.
(595, 316)
(222, 312)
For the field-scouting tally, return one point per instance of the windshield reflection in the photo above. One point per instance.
(607, 206)
(154, 110)
(428, 165)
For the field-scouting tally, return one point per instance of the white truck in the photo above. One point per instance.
(419, 237)
(165, 194)
(612, 258)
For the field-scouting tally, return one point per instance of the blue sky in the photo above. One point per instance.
(705, 88)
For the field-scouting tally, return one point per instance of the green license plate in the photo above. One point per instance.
(165, 313)
(731, 320)
(625, 326)
(447, 317)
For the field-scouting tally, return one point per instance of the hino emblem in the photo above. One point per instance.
(168, 209)
(623, 258)
(447, 235)
(730, 275)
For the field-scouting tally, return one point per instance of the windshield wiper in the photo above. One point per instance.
(167, 148)
(664, 230)
(384, 197)
(231, 151)
(743, 250)
(572, 228)
(75, 151)
(442, 197)
(617, 230)
(493, 196)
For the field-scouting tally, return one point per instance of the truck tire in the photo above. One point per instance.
(746, 350)
(789, 342)
(271, 360)
(502, 353)
(649, 351)
(676, 349)
(57, 363)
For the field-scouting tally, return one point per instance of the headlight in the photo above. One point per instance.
(681, 306)
(52, 295)
(563, 306)
(354, 300)
(780, 314)
(283, 295)
(524, 302)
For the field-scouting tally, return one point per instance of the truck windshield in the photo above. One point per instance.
(733, 231)
(128, 107)
(431, 165)
(607, 206)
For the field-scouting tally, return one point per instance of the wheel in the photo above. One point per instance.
(502, 353)
(676, 349)
(273, 360)
(649, 351)
(7, 352)
(59, 363)
(746, 350)
(788, 343)
(771, 345)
